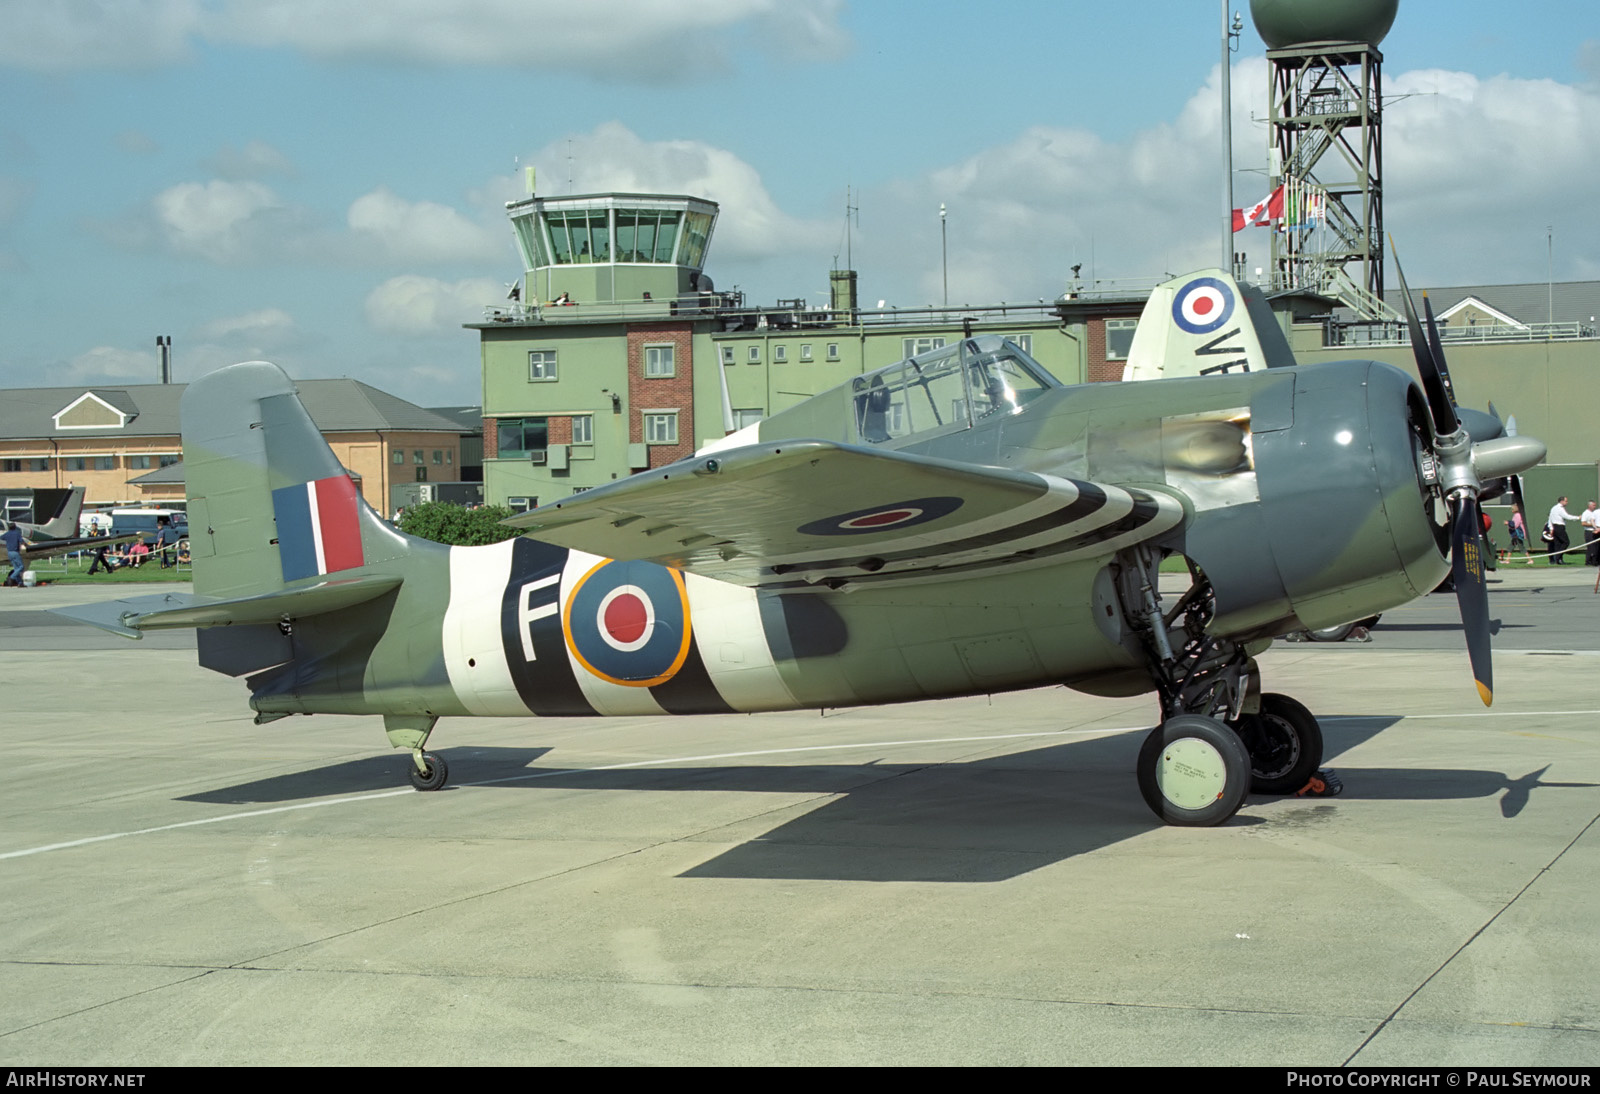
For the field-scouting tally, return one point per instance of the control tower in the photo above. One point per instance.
(1325, 144)
(613, 248)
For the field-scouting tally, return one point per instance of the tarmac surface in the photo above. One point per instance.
(960, 882)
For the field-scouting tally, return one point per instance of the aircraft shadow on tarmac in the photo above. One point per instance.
(980, 821)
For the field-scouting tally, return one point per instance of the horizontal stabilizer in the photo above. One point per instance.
(174, 611)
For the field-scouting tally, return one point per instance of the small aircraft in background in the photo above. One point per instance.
(59, 534)
(956, 523)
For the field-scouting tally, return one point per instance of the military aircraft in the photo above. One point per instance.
(58, 535)
(957, 523)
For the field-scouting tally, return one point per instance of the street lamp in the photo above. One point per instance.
(944, 252)
(1230, 36)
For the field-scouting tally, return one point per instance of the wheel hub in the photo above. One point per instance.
(1191, 773)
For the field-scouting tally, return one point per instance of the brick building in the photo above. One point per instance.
(122, 443)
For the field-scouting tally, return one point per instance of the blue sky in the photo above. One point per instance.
(323, 183)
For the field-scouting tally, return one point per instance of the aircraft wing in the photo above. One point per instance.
(793, 514)
(49, 548)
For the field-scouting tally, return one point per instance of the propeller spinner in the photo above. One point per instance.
(1464, 467)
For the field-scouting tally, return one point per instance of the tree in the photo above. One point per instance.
(447, 522)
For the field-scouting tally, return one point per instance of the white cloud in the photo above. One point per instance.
(749, 226)
(1474, 169)
(218, 220)
(265, 325)
(255, 160)
(415, 305)
(96, 34)
(110, 364)
(645, 41)
(423, 231)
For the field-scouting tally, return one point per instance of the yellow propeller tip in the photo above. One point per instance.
(1485, 694)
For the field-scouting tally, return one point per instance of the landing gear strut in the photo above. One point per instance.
(1219, 737)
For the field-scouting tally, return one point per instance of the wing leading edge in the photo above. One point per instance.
(798, 514)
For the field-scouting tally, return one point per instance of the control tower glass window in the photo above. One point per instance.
(696, 234)
(531, 242)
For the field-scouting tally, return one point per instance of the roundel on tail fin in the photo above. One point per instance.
(1202, 305)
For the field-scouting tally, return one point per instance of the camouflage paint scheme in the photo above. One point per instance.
(817, 559)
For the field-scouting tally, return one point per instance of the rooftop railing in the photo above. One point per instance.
(1394, 334)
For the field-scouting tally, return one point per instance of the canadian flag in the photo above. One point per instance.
(1262, 213)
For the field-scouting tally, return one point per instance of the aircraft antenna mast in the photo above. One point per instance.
(1325, 145)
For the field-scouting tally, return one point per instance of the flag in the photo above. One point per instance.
(1262, 213)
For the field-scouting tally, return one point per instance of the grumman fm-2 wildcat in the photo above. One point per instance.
(958, 523)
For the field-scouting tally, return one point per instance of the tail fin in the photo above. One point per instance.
(269, 504)
(64, 523)
(1203, 324)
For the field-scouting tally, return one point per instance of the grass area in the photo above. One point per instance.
(77, 573)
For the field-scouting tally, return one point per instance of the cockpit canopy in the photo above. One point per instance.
(944, 389)
(947, 389)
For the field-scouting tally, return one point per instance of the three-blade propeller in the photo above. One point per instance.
(1464, 469)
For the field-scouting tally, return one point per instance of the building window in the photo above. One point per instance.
(833, 351)
(1119, 338)
(805, 352)
(910, 347)
(661, 427)
(541, 364)
(417, 457)
(438, 457)
(521, 438)
(521, 505)
(727, 355)
(11, 465)
(755, 355)
(449, 456)
(167, 459)
(780, 353)
(750, 416)
(583, 429)
(1024, 342)
(90, 463)
(658, 362)
(399, 456)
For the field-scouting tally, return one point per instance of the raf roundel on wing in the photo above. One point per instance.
(1202, 305)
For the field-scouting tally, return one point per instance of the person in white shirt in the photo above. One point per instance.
(1558, 531)
(1591, 534)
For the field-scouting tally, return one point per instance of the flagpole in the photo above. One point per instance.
(1227, 146)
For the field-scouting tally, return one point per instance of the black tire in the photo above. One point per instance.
(1285, 745)
(433, 774)
(1211, 765)
(1332, 634)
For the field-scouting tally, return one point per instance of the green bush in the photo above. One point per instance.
(446, 522)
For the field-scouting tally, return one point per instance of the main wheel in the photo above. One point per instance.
(1285, 745)
(433, 773)
(1193, 771)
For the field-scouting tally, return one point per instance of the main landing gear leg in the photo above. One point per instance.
(1219, 738)
(428, 769)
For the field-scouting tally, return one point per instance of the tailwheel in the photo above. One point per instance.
(1193, 771)
(429, 771)
(1285, 745)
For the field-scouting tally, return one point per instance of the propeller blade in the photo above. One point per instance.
(1472, 592)
(1438, 350)
(1441, 403)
